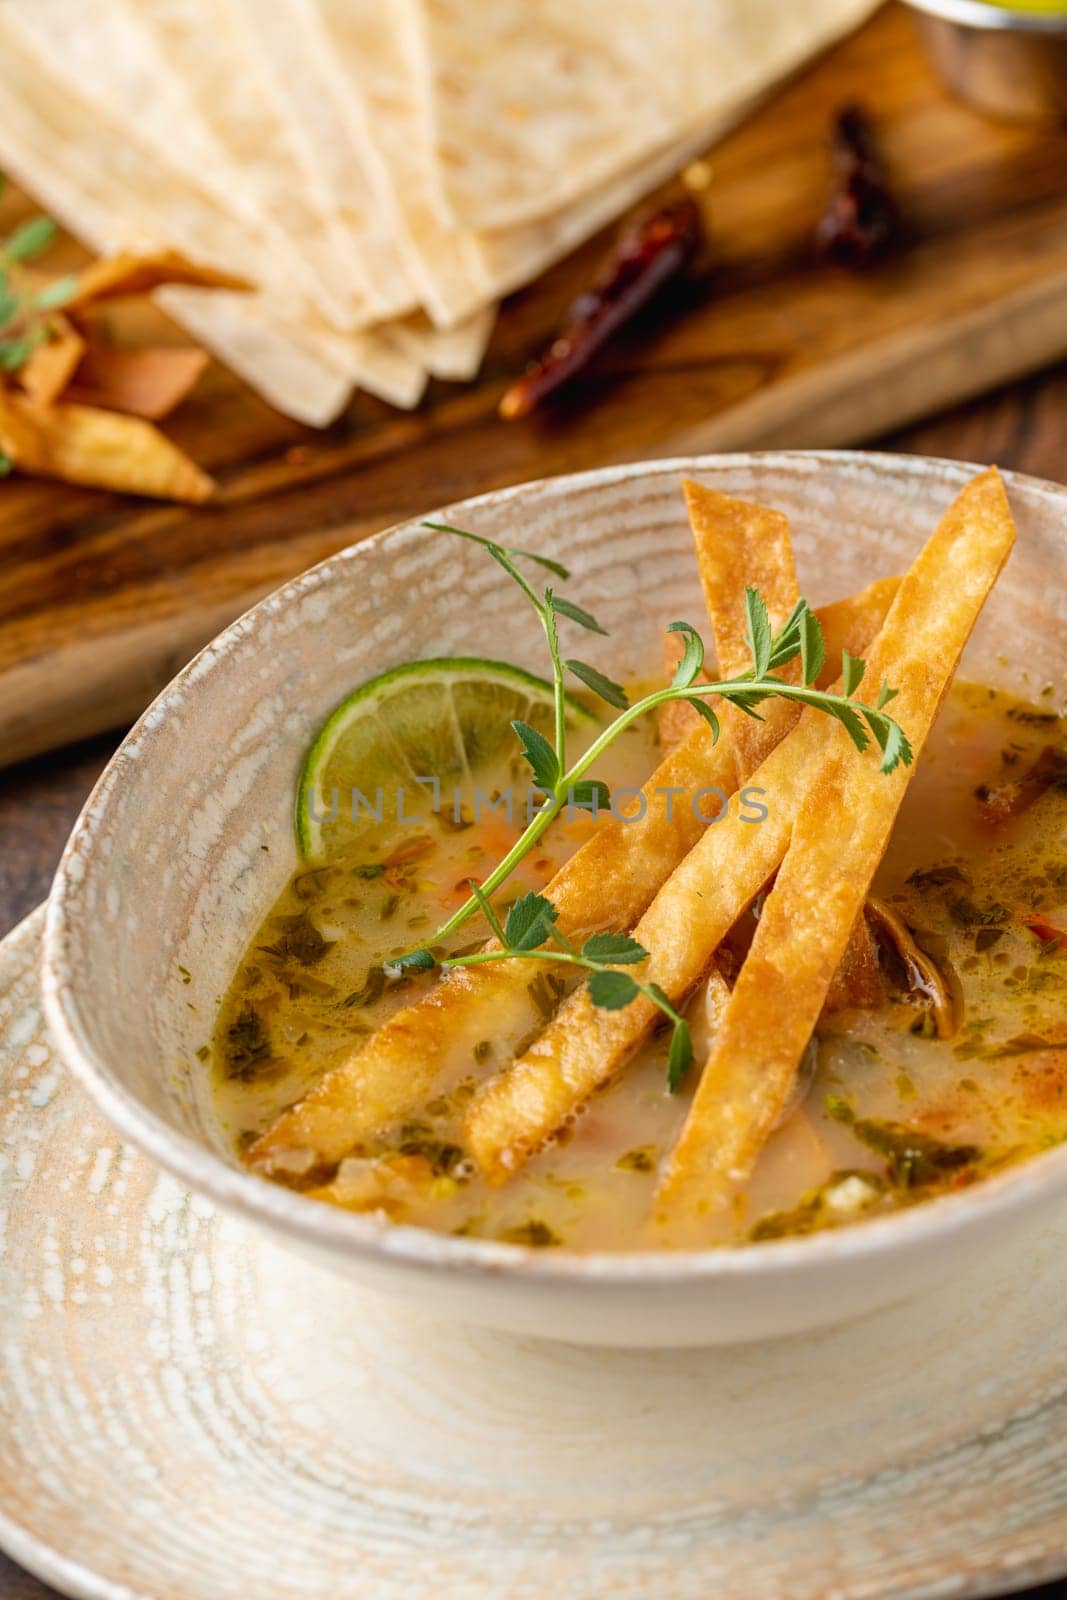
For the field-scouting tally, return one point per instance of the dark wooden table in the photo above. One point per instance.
(1023, 427)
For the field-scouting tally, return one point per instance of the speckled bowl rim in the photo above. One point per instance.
(343, 1233)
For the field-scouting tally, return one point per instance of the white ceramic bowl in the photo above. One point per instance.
(166, 867)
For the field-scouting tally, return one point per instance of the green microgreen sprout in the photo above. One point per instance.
(530, 930)
(25, 313)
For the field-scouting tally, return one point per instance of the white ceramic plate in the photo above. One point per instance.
(189, 1413)
(166, 868)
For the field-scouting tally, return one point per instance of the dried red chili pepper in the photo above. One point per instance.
(648, 252)
(861, 222)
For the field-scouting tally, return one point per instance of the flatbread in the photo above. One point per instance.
(109, 191)
(455, 353)
(294, 63)
(372, 80)
(178, 78)
(458, 271)
(540, 101)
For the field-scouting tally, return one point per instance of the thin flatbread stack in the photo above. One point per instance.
(381, 174)
(99, 185)
(544, 100)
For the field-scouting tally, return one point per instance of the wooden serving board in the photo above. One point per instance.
(103, 598)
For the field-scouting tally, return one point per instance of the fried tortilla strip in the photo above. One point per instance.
(740, 546)
(513, 1114)
(621, 868)
(618, 870)
(125, 275)
(147, 381)
(837, 844)
(48, 371)
(583, 1047)
(83, 445)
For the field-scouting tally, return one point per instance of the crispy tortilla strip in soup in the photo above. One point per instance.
(741, 546)
(836, 845)
(620, 868)
(514, 1113)
(737, 550)
(612, 877)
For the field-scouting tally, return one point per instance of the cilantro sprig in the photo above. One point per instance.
(530, 929)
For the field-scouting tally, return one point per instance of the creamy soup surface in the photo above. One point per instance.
(894, 1105)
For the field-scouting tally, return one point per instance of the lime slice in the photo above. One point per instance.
(448, 719)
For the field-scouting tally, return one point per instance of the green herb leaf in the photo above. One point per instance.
(885, 694)
(551, 631)
(852, 722)
(6, 465)
(692, 662)
(759, 637)
(852, 670)
(617, 949)
(529, 922)
(612, 990)
(577, 613)
(557, 568)
(414, 961)
(679, 1057)
(544, 763)
(589, 794)
(747, 702)
(812, 647)
(605, 687)
(499, 552)
(698, 703)
(787, 643)
(55, 294)
(30, 239)
(891, 740)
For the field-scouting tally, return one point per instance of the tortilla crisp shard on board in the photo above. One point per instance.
(836, 844)
(81, 444)
(129, 274)
(620, 868)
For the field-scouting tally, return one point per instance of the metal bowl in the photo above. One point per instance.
(1010, 63)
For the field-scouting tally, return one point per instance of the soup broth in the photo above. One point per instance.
(895, 1105)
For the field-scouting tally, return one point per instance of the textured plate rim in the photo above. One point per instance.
(48, 1564)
